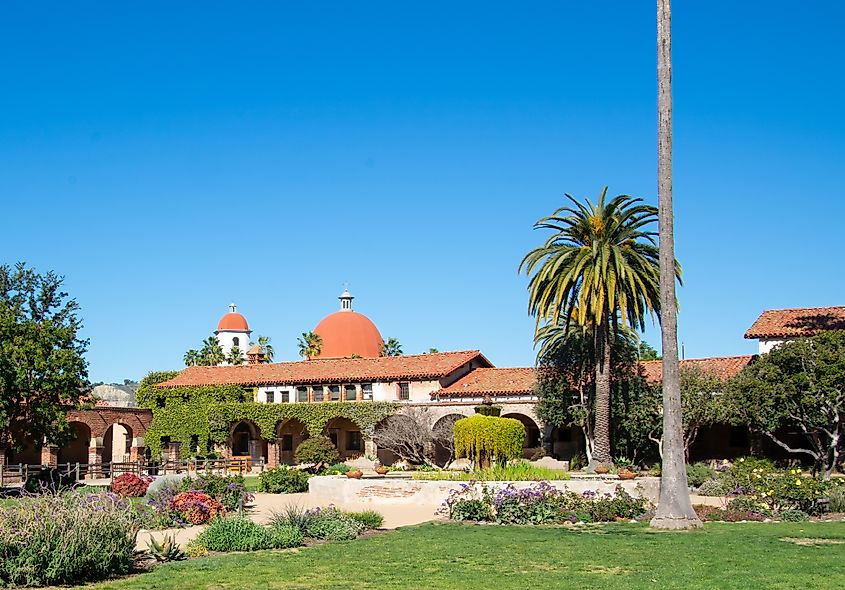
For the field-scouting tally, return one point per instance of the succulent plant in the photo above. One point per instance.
(166, 550)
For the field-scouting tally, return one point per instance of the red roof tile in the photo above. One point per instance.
(723, 367)
(494, 382)
(794, 323)
(421, 366)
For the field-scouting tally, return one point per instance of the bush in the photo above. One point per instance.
(484, 438)
(698, 473)
(710, 513)
(519, 471)
(746, 504)
(794, 516)
(332, 524)
(229, 490)
(369, 519)
(129, 485)
(241, 534)
(837, 498)
(160, 494)
(283, 480)
(66, 539)
(712, 487)
(317, 449)
(196, 507)
(337, 469)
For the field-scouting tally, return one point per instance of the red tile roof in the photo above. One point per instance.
(721, 366)
(420, 366)
(494, 382)
(794, 323)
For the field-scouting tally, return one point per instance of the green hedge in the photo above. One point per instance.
(482, 438)
(208, 412)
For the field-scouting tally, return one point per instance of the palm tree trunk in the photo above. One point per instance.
(601, 444)
(674, 509)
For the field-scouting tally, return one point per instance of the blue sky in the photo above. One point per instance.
(169, 158)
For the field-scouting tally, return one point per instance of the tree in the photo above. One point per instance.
(646, 352)
(599, 269)
(310, 345)
(409, 436)
(43, 373)
(391, 348)
(211, 353)
(432, 350)
(266, 348)
(486, 438)
(235, 356)
(191, 358)
(798, 385)
(674, 509)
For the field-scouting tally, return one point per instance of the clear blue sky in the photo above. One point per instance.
(170, 157)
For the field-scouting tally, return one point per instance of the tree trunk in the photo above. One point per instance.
(674, 509)
(601, 432)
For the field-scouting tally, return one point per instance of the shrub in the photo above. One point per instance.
(66, 539)
(293, 516)
(836, 498)
(712, 487)
(286, 536)
(129, 485)
(710, 513)
(283, 480)
(229, 490)
(794, 516)
(160, 494)
(369, 519)
(238, 534)
(317, 449)
(332, 524)
(337, 469)
(196, 507)
(519, 471)
(746, 504)
(483, 438)
(698, 473)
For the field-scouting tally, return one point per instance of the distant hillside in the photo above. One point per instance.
(113, 394)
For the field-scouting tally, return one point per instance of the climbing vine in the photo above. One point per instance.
(204, 415)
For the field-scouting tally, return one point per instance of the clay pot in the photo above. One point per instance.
(354, 474)
(382, 470)
(602, 469)
(625, 474)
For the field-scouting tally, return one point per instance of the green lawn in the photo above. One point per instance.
(756, 555)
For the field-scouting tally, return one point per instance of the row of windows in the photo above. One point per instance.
(349, 392)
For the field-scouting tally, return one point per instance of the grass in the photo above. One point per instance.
(251, 483)
(741, 556)
(512, 472)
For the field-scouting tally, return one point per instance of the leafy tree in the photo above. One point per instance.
(192, 358)
(801, 385)
(674, 509)
(646, 352)
(42, 370)
(266, 348)
(599, 270)
(235, 356)
(211, 353)
(310, 345)
(432, 350)
(391, 348)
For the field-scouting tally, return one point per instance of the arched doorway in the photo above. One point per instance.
(243, 439)
(289, 435)
(76, 451)
(444, 436)
(346, 436)
(117, 441)
(533, 442)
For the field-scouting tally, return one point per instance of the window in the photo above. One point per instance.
(271, 396)
(353, 440)
(318, 393)
(285, 396)
(367, 390)
(236, 341)
(302, 394)
(287, 442)
(351, 393)
(335, 392)
(405, 391)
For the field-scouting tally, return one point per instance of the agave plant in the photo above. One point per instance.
(166, 550)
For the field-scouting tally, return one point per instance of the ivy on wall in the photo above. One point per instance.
(207, 413)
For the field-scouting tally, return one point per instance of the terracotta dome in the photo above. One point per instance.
(233, 321)
(347, 332)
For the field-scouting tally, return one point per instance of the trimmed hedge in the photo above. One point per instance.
(482, 438)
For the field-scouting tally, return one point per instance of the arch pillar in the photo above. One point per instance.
(50, 455)
(370, 447)
(136, 451)
(273, 447)
(95, 458)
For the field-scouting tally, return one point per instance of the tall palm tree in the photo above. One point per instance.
(391, 348)
(191, 357)
(674, 509)
(211, 353)
(310, 345)
(266, 348)
(598, 269)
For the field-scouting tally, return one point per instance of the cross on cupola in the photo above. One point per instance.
(346, 300)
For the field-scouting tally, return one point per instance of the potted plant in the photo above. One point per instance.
(381, 469)
(625, 473)
(602, 469)
(354, 474)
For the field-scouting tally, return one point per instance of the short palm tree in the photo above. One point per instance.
(191, 358)
(235, 357)
(391, 348)
(211, 353)
(310, 345)
(598, 269)
(266, 348)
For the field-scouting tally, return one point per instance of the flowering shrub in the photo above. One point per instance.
(228, 490)
(159, 498)
(129, 485)
(283, 480)
(539, 504)
(66, 539)
(196, 507)
(331, 524)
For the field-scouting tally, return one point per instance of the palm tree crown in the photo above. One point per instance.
(310, 344)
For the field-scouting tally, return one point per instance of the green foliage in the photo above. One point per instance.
(229, 490)
(369, 519)
(337, 469)
(391, 348)
(43, 372)
(518, 471)
(317, 449)
(488, 410)
(483, 438)
(332, 524)
(836, 499)
(798, 385)
(698, 473)
(793, 516)
(646, 352)
(712, 487)
(208, 413)
(166, 550)
(310, 344)
(283, 480)
(241, 534)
